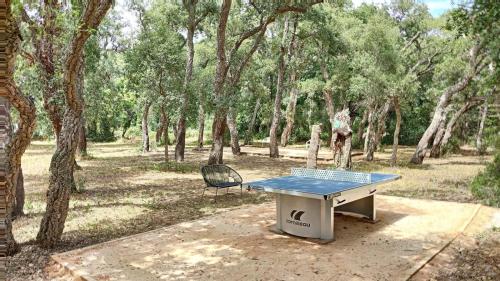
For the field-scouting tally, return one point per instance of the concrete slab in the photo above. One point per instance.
(237, 245)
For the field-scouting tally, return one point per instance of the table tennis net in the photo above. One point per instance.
(332, 175)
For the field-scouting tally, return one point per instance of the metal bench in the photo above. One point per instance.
(220, 176)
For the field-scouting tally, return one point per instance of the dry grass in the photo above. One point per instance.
(123, 191)
(440, 179)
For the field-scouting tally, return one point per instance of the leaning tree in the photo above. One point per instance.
(62, 164)
(476, 63)
(478, 27)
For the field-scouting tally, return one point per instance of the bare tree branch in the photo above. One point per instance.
(412, 40)
(428, 67)
(252, 3)
(28, 56)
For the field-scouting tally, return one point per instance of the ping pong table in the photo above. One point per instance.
(307, 199)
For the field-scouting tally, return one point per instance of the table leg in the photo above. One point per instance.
(327, 223)
(364, 206)
(278, 212)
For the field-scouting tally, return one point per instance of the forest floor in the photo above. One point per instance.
(123, 192)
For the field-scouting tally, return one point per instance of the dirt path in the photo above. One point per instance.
(473, 255)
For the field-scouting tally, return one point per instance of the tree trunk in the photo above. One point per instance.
(463, 133)
(481, 148)
(165, 133)
(273, 131)
(180, 134)
(164, 118)
(251, 125)
(290, 110)
(421, 150)
(369, 148)
(342, 151)
(20, 196)
(12, 144)
(450, 127)
(218, 128)
(330, 138)
(128, 122)
(82, 136)
(369, 128)
(336, 150)
(342, 140)
(438, 137)
(233, 131)
(180, 145)
(82, 139)
(312, 155)
(395, 141)
(159, 130)
(345, 159)
(475, 66)
(201, 125)
(361, 128)
(381, 124)
(61, 166)
(175, 130)
(330, 109)
(8, 191)
(219, 122)
(145, 130)
(60, 183)
(52, 110)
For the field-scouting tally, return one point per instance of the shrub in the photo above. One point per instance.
(486, 185)
(101, 132)
(453, 146)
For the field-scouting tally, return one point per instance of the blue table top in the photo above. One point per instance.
(316, 186)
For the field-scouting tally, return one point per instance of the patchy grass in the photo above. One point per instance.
(445, 179)
(175, 167)
(475, 261)
(123, 191)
